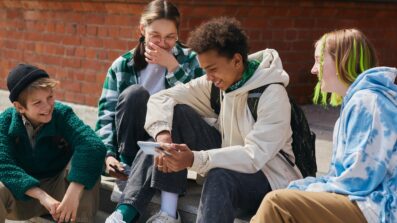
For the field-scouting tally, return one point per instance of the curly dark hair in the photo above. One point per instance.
(223, 35)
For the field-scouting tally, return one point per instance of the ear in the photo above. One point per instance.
(19, 107)
(238, 60)
(142, 29)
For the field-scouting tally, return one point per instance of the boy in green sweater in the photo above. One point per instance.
(38, 139)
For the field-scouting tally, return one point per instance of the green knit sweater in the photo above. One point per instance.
(65, 138)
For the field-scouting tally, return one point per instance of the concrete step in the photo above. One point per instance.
(187, 204)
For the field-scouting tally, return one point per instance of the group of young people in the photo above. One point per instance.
(51, 162)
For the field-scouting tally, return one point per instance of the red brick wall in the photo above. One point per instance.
(76, 41)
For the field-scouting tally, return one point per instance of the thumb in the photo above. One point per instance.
(181, 147)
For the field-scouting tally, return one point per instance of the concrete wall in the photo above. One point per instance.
(76, 41)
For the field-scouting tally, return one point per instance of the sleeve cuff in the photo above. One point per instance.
(171, 75)
(158, 127)
(200, 162)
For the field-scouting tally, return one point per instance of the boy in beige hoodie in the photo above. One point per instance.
(240, 156)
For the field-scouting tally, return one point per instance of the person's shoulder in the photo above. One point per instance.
(183, 51)
(123, 61)
(61, 109)
(7, 115)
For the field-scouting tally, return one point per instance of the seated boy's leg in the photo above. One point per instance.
(301, 206)
(138, 191)
(145, 178)
(130, 120)
(13, 209)
(225, 190)
(188, 128)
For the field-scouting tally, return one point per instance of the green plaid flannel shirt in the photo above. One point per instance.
(122, 75)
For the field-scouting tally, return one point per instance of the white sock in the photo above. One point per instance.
(169, 203)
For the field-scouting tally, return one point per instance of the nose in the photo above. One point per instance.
(314, 69)
(162, 43)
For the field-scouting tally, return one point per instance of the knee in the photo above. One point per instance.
(134, 94)
(219, 177)
(277, 197)
(4, 192)
(182, 109)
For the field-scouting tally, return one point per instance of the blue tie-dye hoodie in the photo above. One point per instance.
(364, 159)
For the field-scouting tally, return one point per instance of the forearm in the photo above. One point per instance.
(36, 193)
(75, 189)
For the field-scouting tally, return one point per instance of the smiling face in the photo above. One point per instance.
(162, 32)
(39, 106)
(329, 79)
(222, 71)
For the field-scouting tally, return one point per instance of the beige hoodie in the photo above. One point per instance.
(247, 146)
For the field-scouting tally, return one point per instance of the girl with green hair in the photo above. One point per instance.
(361, 184)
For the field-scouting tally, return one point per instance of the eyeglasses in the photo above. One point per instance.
(171, 39)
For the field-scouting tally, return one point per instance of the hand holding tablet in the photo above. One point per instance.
(152, 148)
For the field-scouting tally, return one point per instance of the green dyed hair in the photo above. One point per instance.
(352, 53)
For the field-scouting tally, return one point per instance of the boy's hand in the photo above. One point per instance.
(67, 210)
(114, 168)
(45, 199)
(50, 204)
(164, 138)
(181, 157)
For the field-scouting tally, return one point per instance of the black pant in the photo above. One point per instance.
(130, 120)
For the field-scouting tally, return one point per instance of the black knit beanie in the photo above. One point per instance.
(21, 77)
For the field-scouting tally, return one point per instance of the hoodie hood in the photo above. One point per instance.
(378, 79)
(270, 70)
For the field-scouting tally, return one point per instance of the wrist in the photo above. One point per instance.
(172, 67)
(163, 136)
(75, 188)
(191, 159)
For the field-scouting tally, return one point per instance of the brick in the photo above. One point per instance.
(103, 31)
(121, 20)
(115, 44)
(71, 40)
(71, 28)
(290, 35)
(91, 100)
(90, 88)
(94, 19)
(71, 62)
(122, 8)
(92, 30)
(13, 14)
(71, 86)
(128, 33)
(80, 52)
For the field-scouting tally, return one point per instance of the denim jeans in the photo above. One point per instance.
(226, 191)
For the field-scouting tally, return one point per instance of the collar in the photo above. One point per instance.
(248, 73)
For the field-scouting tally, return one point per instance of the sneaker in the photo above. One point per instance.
(120, 185)
(162, 217)
(115, 217)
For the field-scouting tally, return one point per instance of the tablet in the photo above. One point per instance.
(151, 148)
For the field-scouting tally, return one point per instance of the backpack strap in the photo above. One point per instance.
(214, 99)
(253, 99)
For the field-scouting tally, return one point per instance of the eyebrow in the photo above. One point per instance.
(209, 66)
(155, 32)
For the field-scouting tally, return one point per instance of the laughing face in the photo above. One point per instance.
(222, 71)
(39, 106)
